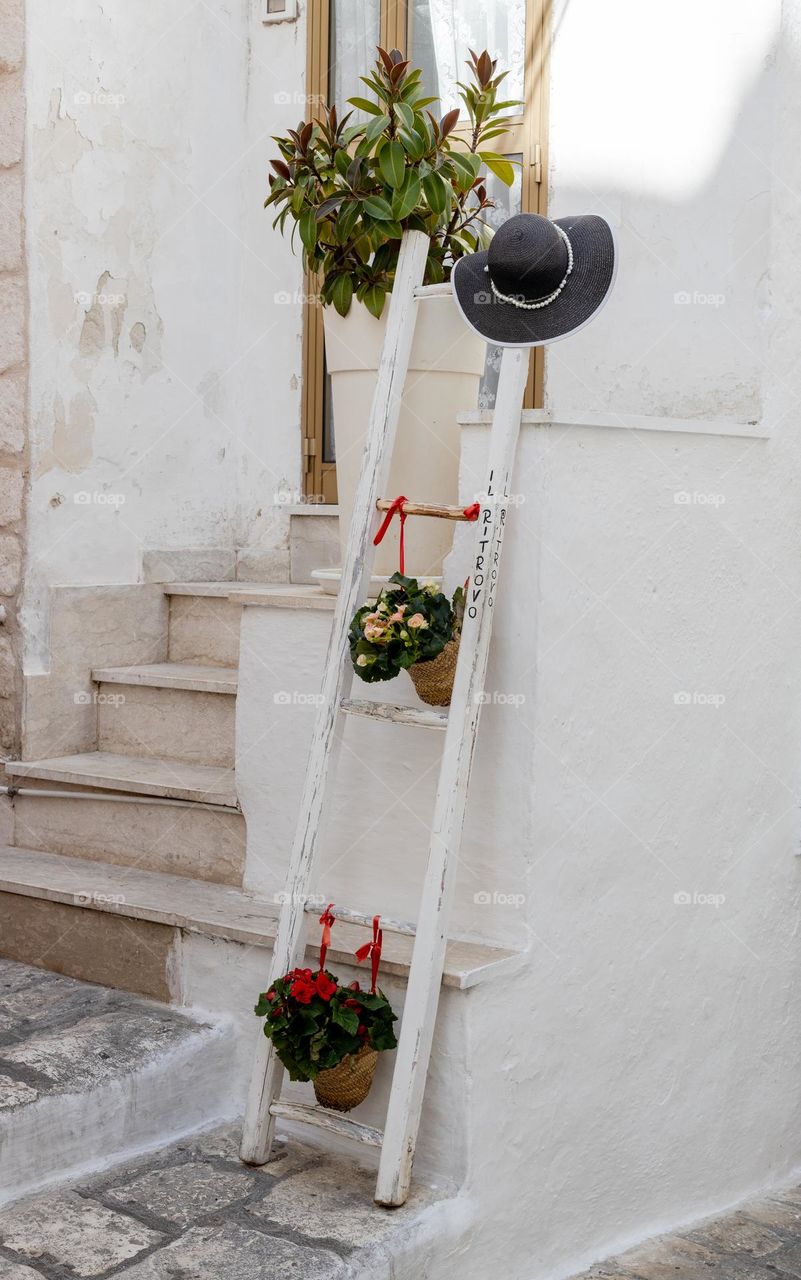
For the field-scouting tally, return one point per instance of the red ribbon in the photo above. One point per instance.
(373, 949)
(470, 513)
(326, 920)
(395, 509)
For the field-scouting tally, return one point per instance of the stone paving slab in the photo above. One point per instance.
(194, 1212)
(184, 1194)
(237, 1253)
(759, 1241)
(11, 1271)
(59, 1035)
(333, 1201)
(75, 1233)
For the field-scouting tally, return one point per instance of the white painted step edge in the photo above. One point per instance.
(62, 1136)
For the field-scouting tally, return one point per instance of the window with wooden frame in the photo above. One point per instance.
(436, 35)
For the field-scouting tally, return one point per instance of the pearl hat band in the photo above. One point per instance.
(543, 302)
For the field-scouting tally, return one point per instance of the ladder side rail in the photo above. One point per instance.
(425, 977)
(267, 1072)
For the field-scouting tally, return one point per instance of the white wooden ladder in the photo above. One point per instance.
(397, 1141)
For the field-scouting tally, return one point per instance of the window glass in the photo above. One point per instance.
(443, 32)
(354, 30)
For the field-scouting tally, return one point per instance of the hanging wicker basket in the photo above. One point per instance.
(433, 680)
(343, 1087)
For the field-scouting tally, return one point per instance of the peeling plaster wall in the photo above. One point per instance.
(13, 367)
(164, 389)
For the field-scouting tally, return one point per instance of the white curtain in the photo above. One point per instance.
(459, 25)
(355, 30)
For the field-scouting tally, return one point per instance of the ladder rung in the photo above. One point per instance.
(307, 1113)
(439, 510)
(356, 917)
(396, 714)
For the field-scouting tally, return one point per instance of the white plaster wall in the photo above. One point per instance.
(375, 835)
(660, 122)
(165, 318)
(645, 1071)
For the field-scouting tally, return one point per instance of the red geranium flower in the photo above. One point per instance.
(303, 990)
(325, 987)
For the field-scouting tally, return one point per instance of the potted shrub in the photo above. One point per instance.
(328, 1034)
(410, 627)
(349, 191)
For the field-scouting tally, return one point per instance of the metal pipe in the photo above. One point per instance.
(118, 797)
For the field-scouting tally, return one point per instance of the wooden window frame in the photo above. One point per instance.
(527, 136)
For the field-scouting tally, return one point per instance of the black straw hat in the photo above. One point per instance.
(539, 280)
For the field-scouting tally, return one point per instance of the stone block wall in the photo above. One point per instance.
(13, 364)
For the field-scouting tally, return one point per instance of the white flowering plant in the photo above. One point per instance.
(410, 622)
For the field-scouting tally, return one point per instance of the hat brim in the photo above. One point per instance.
(587, 289)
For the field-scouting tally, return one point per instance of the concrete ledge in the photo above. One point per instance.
(609, 420)
(294, 596)
(217, 911)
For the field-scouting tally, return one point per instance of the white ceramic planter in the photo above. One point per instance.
(446, 365)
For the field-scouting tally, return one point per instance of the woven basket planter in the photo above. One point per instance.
(434, 680)
(343, 1087)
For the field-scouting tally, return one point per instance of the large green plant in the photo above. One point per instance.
(351, 190)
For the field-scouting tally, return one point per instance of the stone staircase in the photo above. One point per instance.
(129, 864)
(164, 731)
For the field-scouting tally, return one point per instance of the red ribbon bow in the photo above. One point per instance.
(470, 513)
(373, 949)
(395, 509)
(326, 920)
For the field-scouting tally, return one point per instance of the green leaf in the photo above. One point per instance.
(307, 225)
(404, 114)
(377, 207)
(467, 166)
(364, 104)
(500, 166)
(407, 196)
(392, 163)
(348, 1019)
(414, 146)
(375, 128)
(437, 192)
(374, 300)
(342, 294)
(346, 221)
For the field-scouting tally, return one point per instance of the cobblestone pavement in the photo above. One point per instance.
(761, 1241)
(194, 1212)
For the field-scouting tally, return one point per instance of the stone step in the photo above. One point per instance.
(204, 842)
(205, 617)
(192, 676)
(172, 723)
(89, 1075)
(203, 624)
(216, 911)
(111, 771)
